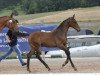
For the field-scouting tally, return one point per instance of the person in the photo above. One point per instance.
(12, 42)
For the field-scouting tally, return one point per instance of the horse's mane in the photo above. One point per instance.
(61, 25)
(60, 28)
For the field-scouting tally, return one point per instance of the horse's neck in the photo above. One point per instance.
(62, 30)
(2, 22)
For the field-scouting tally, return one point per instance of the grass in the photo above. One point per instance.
(5, 12)
(13, 54)
(23, 18)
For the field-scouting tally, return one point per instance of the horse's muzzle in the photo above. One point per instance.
(78, 30)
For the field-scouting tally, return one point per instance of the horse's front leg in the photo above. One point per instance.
(66, 59)
(69, 58)
(67, 52)
(64, 47)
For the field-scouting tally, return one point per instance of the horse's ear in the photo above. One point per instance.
(11, 15)
(73, 15)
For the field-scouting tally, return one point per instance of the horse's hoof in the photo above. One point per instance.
(75, 69)
(63, 65)
(49, 69)
(29, 71)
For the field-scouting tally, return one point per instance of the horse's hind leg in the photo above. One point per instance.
(28, 60)
(38, 56)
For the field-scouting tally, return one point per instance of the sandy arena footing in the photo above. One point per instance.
(84, 65)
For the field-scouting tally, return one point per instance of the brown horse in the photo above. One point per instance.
(56, 38)
(8, 21)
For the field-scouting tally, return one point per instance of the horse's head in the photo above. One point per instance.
(73, 23)
(12, 24)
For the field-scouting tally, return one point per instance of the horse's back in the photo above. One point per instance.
(41, 38)
(39, 35)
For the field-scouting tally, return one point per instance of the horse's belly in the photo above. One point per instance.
(48, 43)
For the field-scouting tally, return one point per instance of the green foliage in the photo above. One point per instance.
(8, 3)
(38, 6)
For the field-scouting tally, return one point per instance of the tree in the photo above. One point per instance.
(38, 6)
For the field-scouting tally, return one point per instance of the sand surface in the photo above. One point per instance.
(84, 65)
